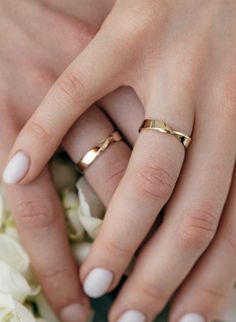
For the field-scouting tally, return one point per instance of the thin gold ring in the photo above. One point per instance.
(159, 126)
(95, 152)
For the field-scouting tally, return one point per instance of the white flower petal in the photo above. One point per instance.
(12, 311)
(70, 199)
(12, 232)
(13, 254)
(23, 314)
(90, 205)
(13, 283)
(77, 231)
(91, 225)
(44, 309)
(7, 306)
(35, 290)
(71, 204)
(81, 251)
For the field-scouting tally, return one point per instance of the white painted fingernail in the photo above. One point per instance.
(132, 316)
(16, 168)
(98, 282)
(73, 313)
(192, 317)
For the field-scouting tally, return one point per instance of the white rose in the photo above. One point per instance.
(13, 283)
(13, 311)
(12, 232)
(91, 210)
(13, 254)
(70, 202)
(90, 204)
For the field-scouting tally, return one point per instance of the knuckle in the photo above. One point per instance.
(78, 30)
(152, 294)
(35, 214)
(198, 229)
(139, 22)
(118, 249)
(55, 276)
(39, 132)
(155, 182)
(213, 293)
(39, 73)
(86, 32)
(71, 86)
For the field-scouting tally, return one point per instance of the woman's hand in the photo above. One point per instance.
(32, 57)
(179, 57)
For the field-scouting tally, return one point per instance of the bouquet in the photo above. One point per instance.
(21, 296)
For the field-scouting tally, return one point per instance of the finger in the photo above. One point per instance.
(205, 292)
(92, 75)
(190, 223)
(39, 218)
(126, 111)
(147, 185)
(105, 173)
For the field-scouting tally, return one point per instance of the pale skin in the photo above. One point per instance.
(179, 57)
(31, 59)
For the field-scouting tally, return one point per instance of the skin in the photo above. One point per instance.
(31, 59)
(186, 63)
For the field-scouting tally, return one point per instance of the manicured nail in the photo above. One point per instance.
(192, 317)
(73, 313)
(132, 316)
(98, 282)
(16, 168)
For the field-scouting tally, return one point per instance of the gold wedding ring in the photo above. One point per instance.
(159, 126)
(95, 152)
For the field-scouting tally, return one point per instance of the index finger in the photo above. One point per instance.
(92, 75)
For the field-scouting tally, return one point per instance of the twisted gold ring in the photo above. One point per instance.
(159, 126)
(95, 152)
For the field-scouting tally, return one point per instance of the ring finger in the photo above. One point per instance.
(104, 174)
(190, 223)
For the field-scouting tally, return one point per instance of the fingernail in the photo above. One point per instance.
(192, 317)
(73, 313)
(98, 282)
(16, 168)
(132, 316)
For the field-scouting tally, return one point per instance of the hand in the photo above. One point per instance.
(30, 61)
(183, 54)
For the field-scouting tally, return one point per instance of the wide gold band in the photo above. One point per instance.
(95, 152)
(157, 125)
